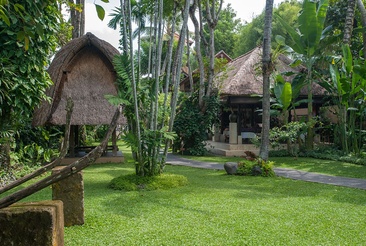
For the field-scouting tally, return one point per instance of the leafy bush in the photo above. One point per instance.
(290, 133)
(192, 125)
(324, 153)
(256, 168)
(267, 168)
(134, 182)
(353, 159)
(279, 153)
(245, 167)
(332, 153)
(32, 155)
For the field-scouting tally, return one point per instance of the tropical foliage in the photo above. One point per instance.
(348, 85)
(148, 130)
(28, 39)
(304, 44)
(192, 126)
(250, 34)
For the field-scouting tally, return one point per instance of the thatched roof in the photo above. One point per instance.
(82, 70)
(185, 83)
(243, 76)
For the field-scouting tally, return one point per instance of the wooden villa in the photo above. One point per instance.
(83, 70)
(241, 88)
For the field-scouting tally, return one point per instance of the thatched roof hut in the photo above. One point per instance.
(82, 70)
(243, 77)
(241, 88)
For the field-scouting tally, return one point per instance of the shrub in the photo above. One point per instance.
(245, 167)
(353, 159)
(331, 153)
(279, 153)
(192, 125)
(267, 168)
(256, 168)
(134, 182)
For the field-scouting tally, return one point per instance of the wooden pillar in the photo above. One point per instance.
(252, 118)
(233, 129)
(114, 142)
(77, 135)
(239, 119)
(72, 142)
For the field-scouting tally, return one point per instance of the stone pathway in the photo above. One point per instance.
(282, 172)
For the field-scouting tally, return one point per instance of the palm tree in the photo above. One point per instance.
(146, 136)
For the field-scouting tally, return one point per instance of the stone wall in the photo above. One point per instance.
(33, 223)
(71, 192)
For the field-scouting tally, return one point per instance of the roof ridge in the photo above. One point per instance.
(250, 51)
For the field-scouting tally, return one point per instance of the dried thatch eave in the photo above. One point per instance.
(243, 76)
(82, 69)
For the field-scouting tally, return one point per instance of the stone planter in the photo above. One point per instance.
(233, 117)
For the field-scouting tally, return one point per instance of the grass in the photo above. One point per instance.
(217, 209)
(132, 182)
(335, 168)
(213, 158)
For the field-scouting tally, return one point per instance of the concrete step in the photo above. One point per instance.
(238, 153)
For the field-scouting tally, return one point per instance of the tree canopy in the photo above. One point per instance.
(251, 34)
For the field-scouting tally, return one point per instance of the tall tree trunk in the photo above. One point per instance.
(267, 70)
(77, 18)
(128, 23)
(158, 61)
(198, 38)
(82, 18)
(350, 16)
(169, 62)
(310, 131)
(212, 17)
(156, 148)
(189, 64)
(124, 28)
(347, 34)
(150, 49)
(177, 70)
(362, 9)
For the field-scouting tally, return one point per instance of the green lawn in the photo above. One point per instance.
(218, 209)
(335, 168)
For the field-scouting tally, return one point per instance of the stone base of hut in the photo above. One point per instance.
(106, 158)
(227, 149)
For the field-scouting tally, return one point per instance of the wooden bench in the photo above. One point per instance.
(87, 149)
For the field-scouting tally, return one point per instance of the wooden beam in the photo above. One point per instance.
(66, 171)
